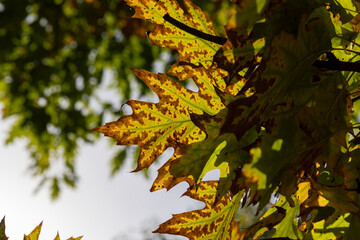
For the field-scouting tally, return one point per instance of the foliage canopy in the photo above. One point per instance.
(275, 112)
(55, 59)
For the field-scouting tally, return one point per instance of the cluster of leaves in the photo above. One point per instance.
(54, 56)
(34, 235)
(275, 112)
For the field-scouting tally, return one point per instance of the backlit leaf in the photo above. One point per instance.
(215, 221)
(331, 228)
(208, 79)
(282, 157)
(192, 49)
(217, 151)
(272, 114)
(302, 192)
(288, 227)
(166, 179)
(155, 127)
(34, 235)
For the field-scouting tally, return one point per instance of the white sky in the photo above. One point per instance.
(100, 207)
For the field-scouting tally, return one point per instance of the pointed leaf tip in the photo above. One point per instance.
(2, 230)
(95, 129)
(78, 238)
(57, 236)
(34, 235)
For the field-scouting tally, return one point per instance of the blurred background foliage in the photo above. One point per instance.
(54, 56)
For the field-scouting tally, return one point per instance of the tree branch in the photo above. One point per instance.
(338, 65)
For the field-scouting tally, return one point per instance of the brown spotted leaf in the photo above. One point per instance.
(189, 161)
(2, 230)
(215, 221)
(192, 163)
(166, 179)
(192, 49)
(34, 235)
(204, 78)
(156, 126)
